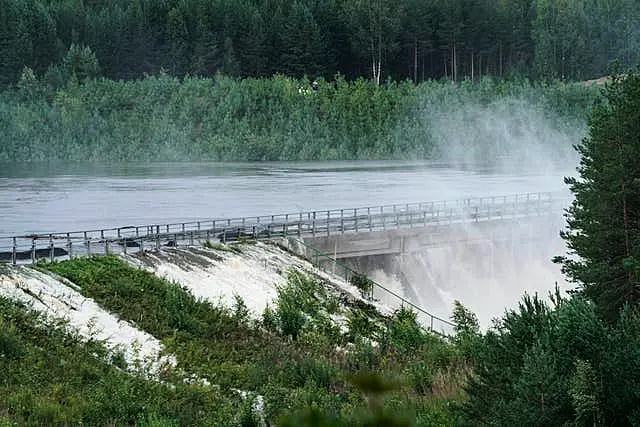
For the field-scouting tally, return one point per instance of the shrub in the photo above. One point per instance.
(363, 283)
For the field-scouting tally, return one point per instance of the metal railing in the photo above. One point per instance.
(30, 248)
(328, 264)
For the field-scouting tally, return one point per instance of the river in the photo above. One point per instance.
(40, 198)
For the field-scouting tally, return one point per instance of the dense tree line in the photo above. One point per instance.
(416, 39)
(250, 119)
(575, 363)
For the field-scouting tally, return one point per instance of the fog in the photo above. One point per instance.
(486, 274)
(510, 134)
(494, 149)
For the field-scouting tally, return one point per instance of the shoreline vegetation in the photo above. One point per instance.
(164, 118)
(311, 354)
(552, 360)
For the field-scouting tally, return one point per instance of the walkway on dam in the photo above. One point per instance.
(354, 223)
(434, 215)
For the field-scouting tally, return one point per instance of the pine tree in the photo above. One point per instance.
(603, 233)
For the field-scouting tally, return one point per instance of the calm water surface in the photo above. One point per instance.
(39, 198)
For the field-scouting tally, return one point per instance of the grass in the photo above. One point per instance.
(304, 356)
(51, 376)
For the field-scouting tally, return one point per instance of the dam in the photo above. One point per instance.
(422, 251)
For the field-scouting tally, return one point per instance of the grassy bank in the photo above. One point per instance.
(280, 118)
(311, 350)
(49, 376)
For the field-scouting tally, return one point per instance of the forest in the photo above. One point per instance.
(563, 359)
(164, 118)
(377, 39)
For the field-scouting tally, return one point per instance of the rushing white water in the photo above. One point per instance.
(58, 298)
(68, 197)
(63, 197)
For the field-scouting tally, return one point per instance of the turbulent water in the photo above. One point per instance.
(72, 197)
(40, 198)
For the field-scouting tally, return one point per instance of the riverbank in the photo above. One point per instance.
(287, 338)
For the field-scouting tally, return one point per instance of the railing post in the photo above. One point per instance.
(14, 252)
(408, 213)
(51, 251)
(328, 222)
(33, 250)
(355, 214)
(341, 221)
(313, 225)
(395, 214)
(369, 218)
(384, 221)
(285, 230)
(69, 249)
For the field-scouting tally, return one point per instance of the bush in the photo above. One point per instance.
(163, 118)
(363, 283)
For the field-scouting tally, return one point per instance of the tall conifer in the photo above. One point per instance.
(603, 233)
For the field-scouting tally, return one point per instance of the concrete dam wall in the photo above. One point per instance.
(487, 265)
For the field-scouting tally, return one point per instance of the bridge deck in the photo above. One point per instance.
(28, 248)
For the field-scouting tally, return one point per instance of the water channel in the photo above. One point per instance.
(41, 198)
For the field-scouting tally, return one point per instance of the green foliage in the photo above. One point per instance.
(361, 324)
(603, 234)
(164, 118)
(404, 332)
(466, 328)
(583, 390)
(50, 376)
(293, 376)
(363, 283)
(81, 62)
(555, 366)
(420, 40)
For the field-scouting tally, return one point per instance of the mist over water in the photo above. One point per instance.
(511, 134)
(486, 274)
(494, 149)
